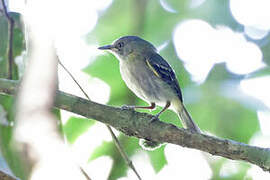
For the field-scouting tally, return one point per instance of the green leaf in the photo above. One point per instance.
(260, 73)
(3, 45)
(6, 131)
(265, 49)
(18, 43)
(158, 159)
(119, 168)
(7, 102)
(76, 127)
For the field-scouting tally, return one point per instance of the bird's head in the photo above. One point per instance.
(123, 47)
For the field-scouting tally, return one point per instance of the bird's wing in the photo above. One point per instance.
(163, 70)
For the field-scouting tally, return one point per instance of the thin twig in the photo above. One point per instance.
(83, 171)
(85, 174)
(10, 40)
(122, 152)
(116, 141)
(73, 78)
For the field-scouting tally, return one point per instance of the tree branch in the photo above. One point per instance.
(138, 124)
(5, 176)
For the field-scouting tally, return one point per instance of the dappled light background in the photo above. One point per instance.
(220, 52)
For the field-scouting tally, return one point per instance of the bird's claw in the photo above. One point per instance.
(126, 107)
(154, 118)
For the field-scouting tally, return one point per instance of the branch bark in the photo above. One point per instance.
(5, 176)
(138, 124)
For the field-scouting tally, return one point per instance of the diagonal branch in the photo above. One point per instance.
(116, 141)
(5, 176)
(10, 39)
(137, 124)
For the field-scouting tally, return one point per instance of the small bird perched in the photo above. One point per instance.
(150, 76)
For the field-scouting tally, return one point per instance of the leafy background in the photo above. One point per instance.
(225, 103)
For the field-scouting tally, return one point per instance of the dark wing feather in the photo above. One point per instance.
(163, 70)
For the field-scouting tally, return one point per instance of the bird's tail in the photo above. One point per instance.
(185, 116)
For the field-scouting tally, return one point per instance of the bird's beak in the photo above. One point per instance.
(107, 47)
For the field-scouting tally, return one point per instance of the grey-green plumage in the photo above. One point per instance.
(149, 76)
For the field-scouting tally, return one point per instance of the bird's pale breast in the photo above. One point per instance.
(144, 83)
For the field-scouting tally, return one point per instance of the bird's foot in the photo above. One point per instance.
(154, 118)
(126, 107)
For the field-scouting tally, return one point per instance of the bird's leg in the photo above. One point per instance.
(153, 105)
(168, 103)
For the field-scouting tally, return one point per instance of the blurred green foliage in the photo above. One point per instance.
(74, 127)
(7, 102)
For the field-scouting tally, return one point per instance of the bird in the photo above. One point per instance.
(150, 77)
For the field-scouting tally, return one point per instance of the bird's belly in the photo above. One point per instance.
(146, 85)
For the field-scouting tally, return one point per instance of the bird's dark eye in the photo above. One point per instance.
(120, 45)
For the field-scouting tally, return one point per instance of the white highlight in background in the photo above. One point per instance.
(264, 118)
(229, 168)
(97, 90)
(200, 46)
(252, 14)
(183, 162)
(85, 144)
(196, 3)
(166, 6)
(71, 21)
(255, 33)
(258, 88)
(99, 168)
(142, 163)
